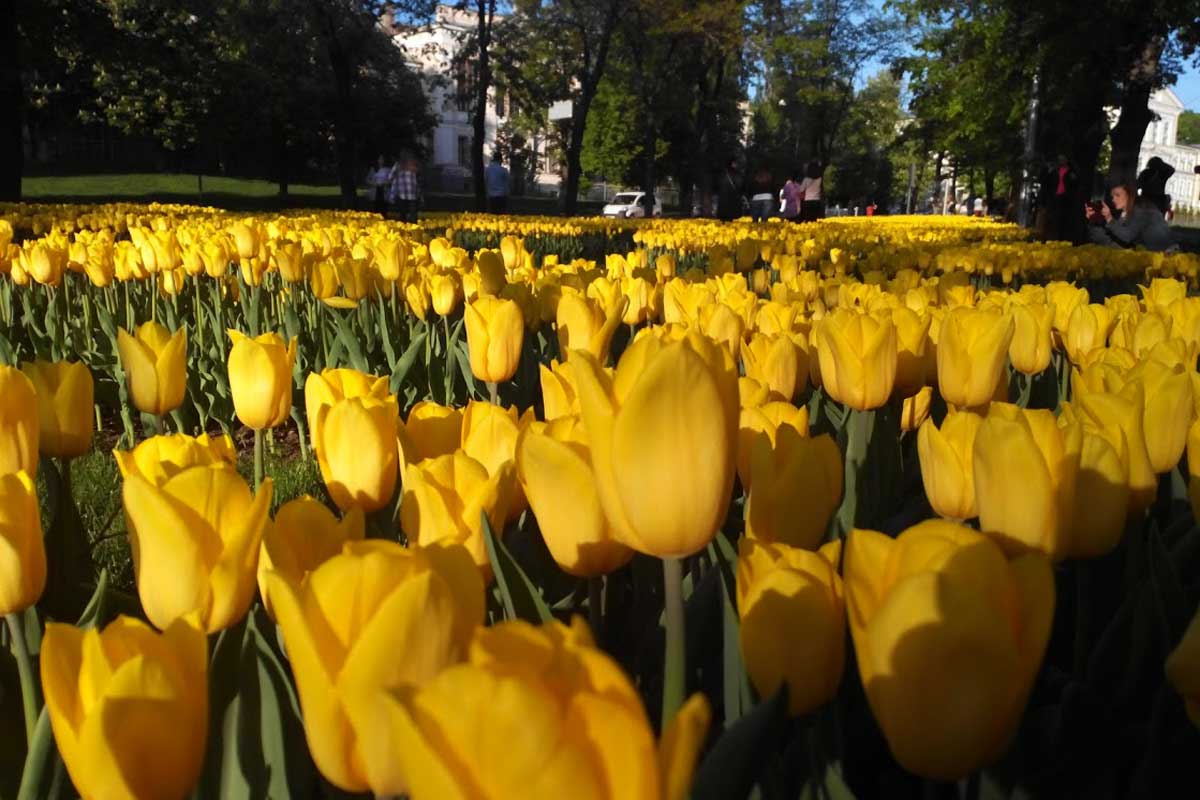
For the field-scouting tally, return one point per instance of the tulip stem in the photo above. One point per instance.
(258, 459)
(29, 689)
(674, 664)
(493, 393)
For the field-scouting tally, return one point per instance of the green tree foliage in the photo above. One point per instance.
(1189, 128)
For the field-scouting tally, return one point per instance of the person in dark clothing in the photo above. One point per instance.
(1152, 183)
(729, 197)
(1059, 187)
(762, 195)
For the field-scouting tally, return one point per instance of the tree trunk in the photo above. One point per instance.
(279, 155)
(343, 118)
(486, 10)
(569, 198)
(1135, 116)
(989, 186)
(12, 154)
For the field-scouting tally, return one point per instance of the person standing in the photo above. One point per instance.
(813, 205)
(378, 179)
(791, 196)
(495, 177)
(729, 199)
(761, 195)
(406, 188)
(1152, 183)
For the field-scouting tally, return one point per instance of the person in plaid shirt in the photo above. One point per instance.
(406, 189)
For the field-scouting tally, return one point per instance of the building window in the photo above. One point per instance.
(464, 84)
(464, 151)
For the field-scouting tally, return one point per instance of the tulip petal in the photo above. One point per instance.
(680, 746)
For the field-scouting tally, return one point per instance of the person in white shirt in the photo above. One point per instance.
(378, 179)
(812, 207)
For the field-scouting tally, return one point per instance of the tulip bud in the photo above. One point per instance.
(763, 422)
(583, 324)
(1168, 413)
(555, 471)
(64, 402)
(949, 635)
(444, 498)
(1087, 330)
(663, 436)
(19, 411)
(495, 332)
(971, 352)
(445, 290)
(22, 553)
(323, 389)
(784, 594)
(1030, 348)
(260, 378)
(195, 541)
(355, 442)
(155, 362)
(796, 486)
(775, 361)
(160, 458)
(303, 536)
(912, 337)
(1025, 478)
(155, 684)
(857, 354)
(947, 464)
(431, 430)
(915, 410)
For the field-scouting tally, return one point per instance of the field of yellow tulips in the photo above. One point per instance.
(873, 507)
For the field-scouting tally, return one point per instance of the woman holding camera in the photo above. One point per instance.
(1136, 224)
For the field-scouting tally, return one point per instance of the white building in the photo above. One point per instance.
(435, 51)
(1160, 140)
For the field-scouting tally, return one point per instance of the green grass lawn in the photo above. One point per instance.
(177, 188)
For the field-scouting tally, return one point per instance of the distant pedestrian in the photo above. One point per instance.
(791, 196)
(406, 189)
(761, 193)
(1152, 183)
(813, 205)
(495, 177)
(729, 199)
(378, 179)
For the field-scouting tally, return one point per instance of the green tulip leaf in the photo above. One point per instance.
(520, 597)
(43, 773)
(739, 757)
(94, 615)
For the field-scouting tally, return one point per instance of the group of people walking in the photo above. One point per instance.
(801, 199)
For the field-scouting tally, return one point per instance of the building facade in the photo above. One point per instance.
(437, 52)
(1160, 140)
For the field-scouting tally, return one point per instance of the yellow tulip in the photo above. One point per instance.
(323, 389)
(160, 458)
(1101, 493)
(431, 430)
(401, 615)
(1031, 344)
(260, 378)
(1168, 413)
(915, 410)
(491, 272)
(776, 362)
(247, 237)
(1183, 669)
(643, 297)
(1087, 330)
(417, 297)
(785, 595)
(1162, 292)
(495, 333)
(1125, 412)
(18, 422)
(445, 288)
(128, 706)
(752, 393)
(947, 464)
(796, 486)
(555, 470)
(489, 434)
(912, 337)
(763, 422)
(722, 324)
(1025, 479)
(65, 395)
(584, 324)
(1064, 297)
(355, 443)
(949, 634)
(558, 390)
(1193, 463)
(195, 541)
(303, 536)
(444, 498)
(537, 712)
(857, 354)
(22, 553)
(971, 351)
(663, 436)
(155, 362)
(288, 258)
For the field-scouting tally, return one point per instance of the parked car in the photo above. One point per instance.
(630, 204)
